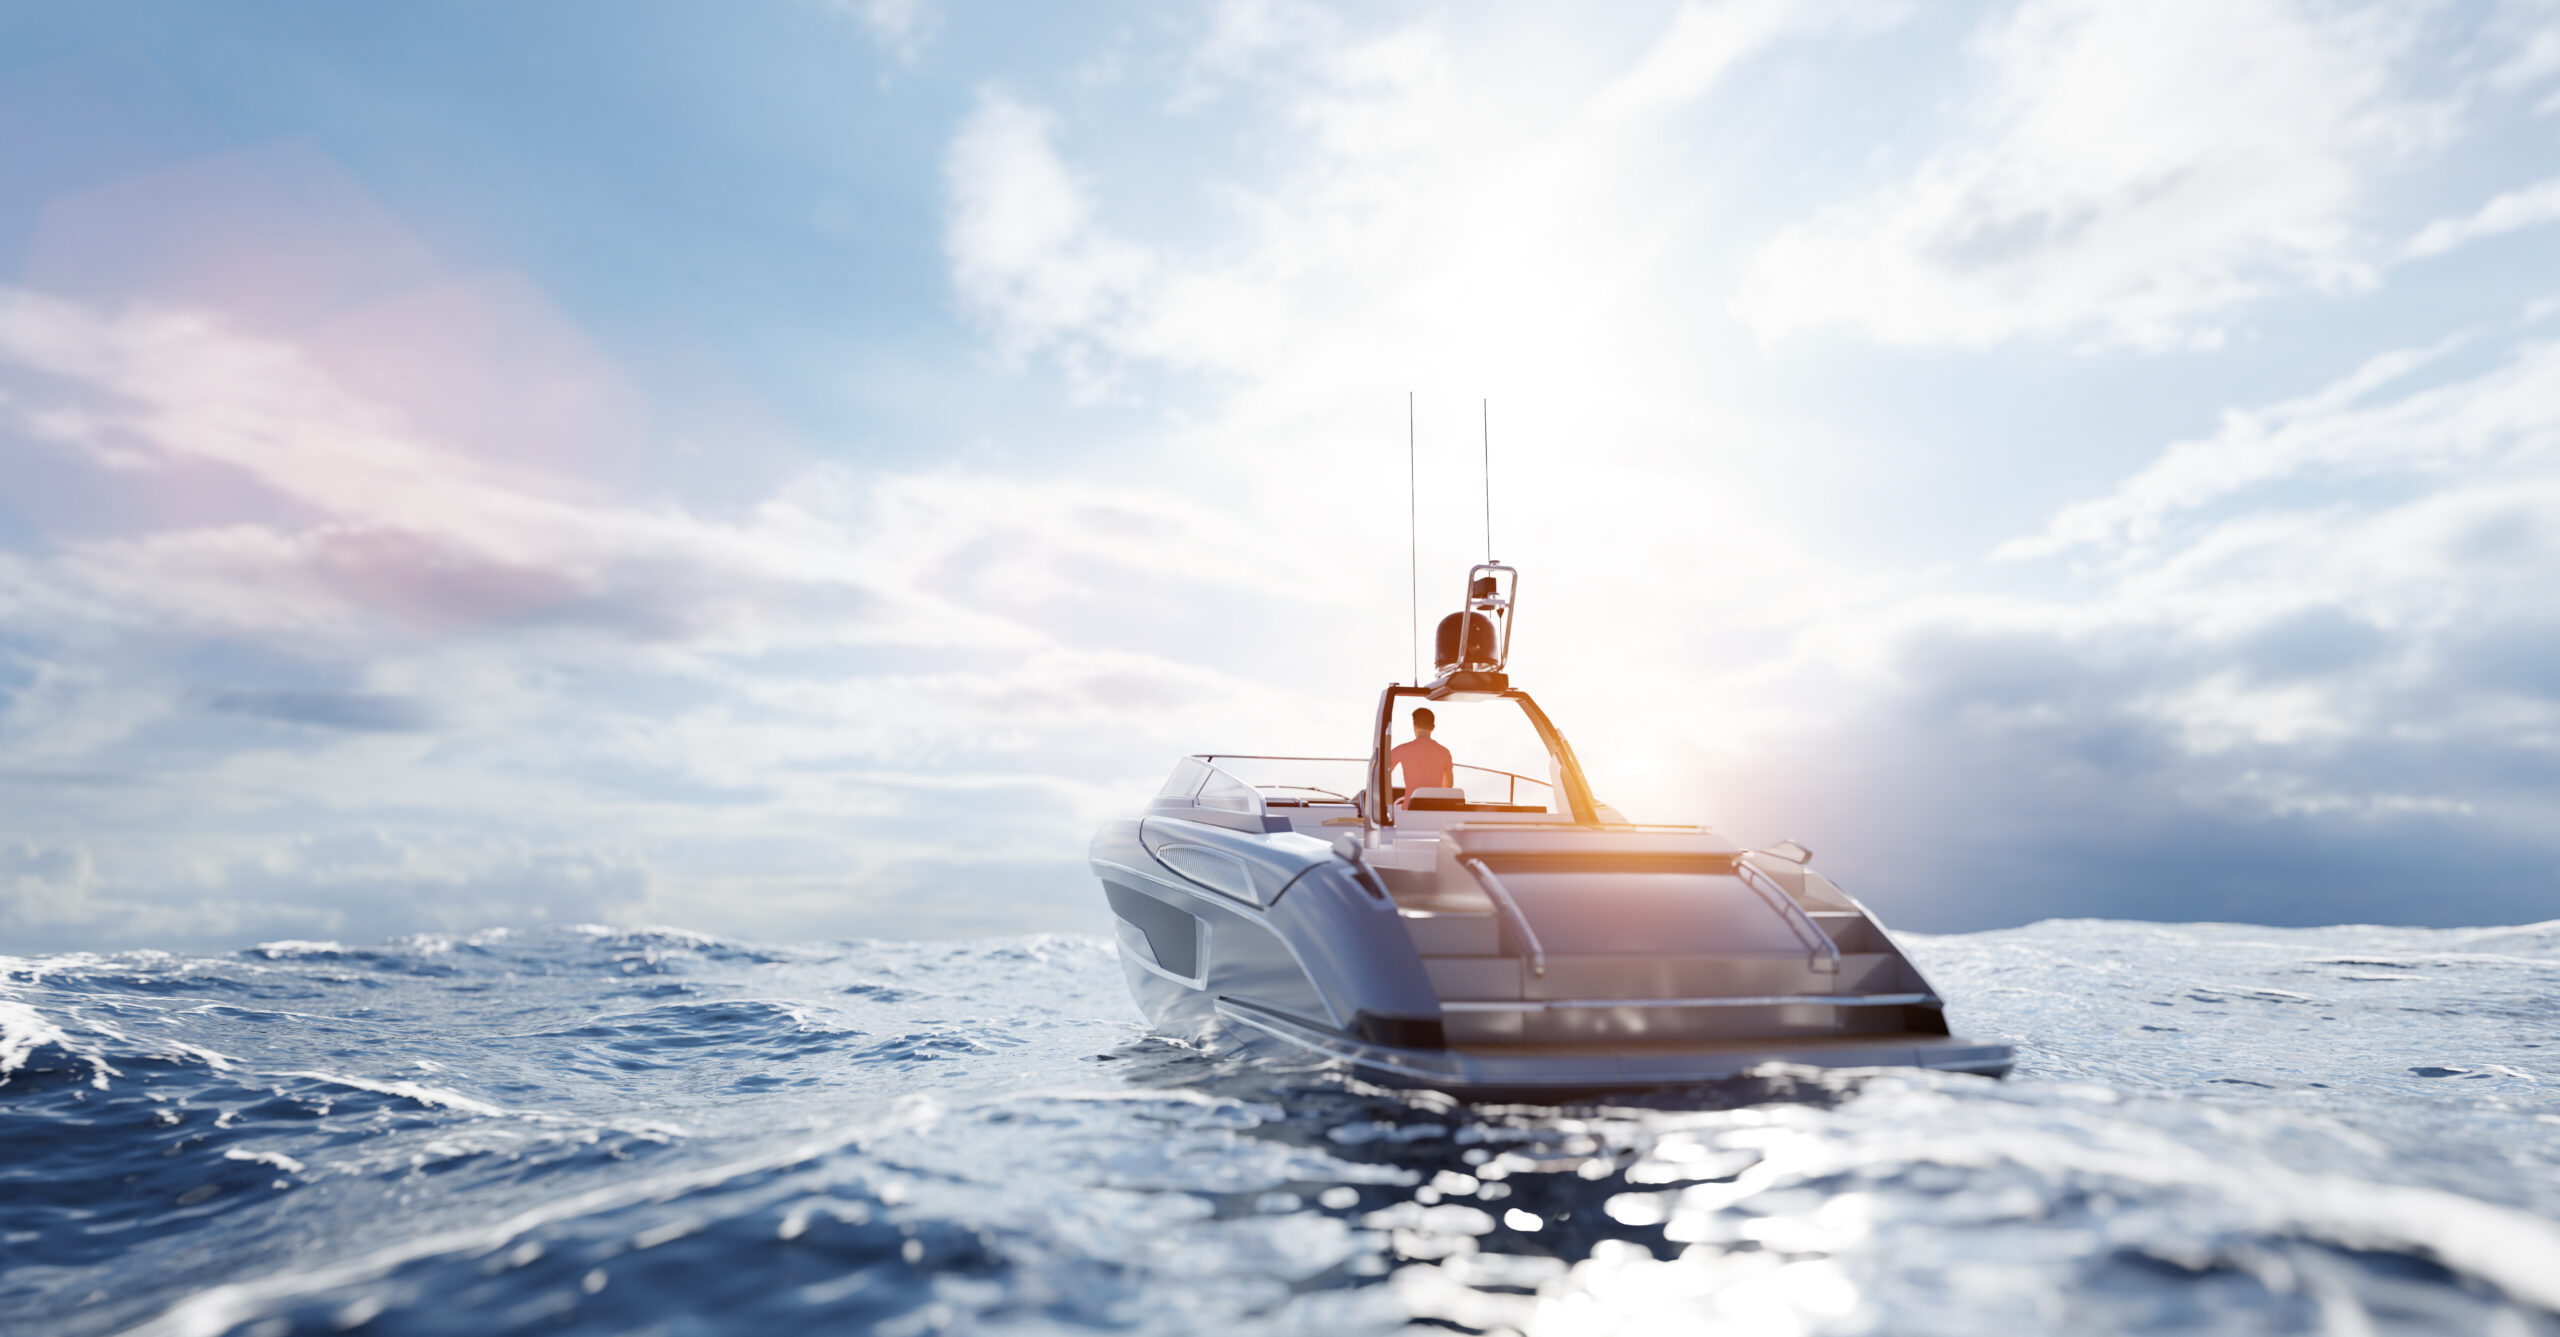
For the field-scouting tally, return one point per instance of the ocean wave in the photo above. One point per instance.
(2213, 1128)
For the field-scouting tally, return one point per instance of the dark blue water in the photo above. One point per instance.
(2212, 1129)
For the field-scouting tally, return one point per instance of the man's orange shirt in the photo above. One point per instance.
(1426, 765)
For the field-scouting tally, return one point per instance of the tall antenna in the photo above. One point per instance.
(1488, 480)
(1413, 531)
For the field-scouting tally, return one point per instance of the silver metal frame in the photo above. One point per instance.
(1507, 603)
(1510, 795)
(1584, 809)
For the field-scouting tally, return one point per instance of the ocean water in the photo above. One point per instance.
(2211, 1129)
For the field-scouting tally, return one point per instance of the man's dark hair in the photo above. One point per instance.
(1424, 719)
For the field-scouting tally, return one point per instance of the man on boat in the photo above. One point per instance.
(1427, 765)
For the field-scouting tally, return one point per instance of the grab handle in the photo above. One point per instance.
(1822, 955)
(1511, 910)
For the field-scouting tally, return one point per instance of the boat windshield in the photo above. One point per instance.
(1299, 781)
(1498, 758)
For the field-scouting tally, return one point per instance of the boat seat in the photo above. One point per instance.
(1436, 800)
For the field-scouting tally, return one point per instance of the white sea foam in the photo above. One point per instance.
(23, 1031)
(288, 948)
(432, 1096)
(275, 1158)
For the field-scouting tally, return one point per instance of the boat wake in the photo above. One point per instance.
(2211, 1129)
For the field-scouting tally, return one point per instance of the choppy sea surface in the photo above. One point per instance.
(2212, 1128)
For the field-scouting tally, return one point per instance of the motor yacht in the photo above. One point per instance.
(1505, 933)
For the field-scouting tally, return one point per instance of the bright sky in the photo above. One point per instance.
(792, 468)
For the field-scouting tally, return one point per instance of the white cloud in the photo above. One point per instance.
(1405, 204)
(2136, 174)
(2311, 669)
(1029, 250)
(2340, 432)
(44, 884)
(853, 681)
(901, 27)
(2524, 37)
(391, 531)
(58, 711)
(2407, 528)
(1246, 36)
(1706, 42)
(2513, 211)
(1024, 245)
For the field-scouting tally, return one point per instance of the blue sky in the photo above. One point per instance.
(791, 469)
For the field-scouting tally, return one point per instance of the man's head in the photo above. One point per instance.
(1423, 720)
